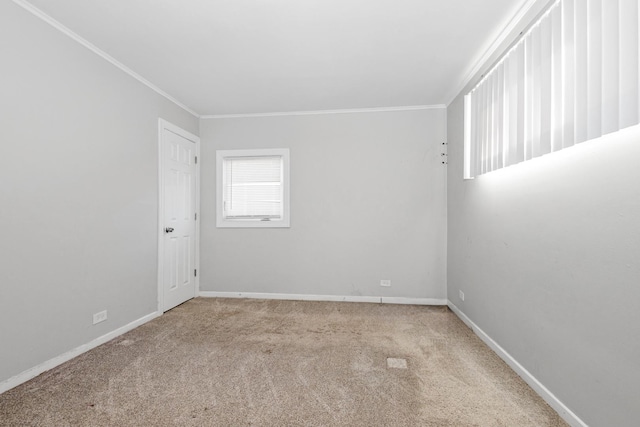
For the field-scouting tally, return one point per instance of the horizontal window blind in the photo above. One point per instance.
(253, 187)
(574, 76)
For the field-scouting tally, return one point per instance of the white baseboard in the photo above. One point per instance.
(566, 414)
(339, 298)
(59, 360)
(413, 301)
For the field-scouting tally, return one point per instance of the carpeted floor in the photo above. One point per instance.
(226, 362)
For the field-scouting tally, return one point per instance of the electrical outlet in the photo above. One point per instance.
(100, 317)
(461, 295)
(385, 283)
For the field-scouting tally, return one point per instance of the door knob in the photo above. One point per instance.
(168, 230)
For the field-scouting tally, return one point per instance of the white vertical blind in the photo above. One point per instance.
(253, 187)
(629, 46)
(572, 77)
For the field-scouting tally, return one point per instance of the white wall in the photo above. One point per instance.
(367, 203)
(78, 192)
(547, 253)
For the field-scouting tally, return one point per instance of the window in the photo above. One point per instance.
(572, 77)
(252, 188)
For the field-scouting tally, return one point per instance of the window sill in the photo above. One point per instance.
(239, 223)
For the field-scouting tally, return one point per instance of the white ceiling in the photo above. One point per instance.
(260, 56)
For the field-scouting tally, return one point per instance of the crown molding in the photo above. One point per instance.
(63, 29)
(529, 10)
(320, 112)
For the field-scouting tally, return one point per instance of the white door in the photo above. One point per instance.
(178, 217)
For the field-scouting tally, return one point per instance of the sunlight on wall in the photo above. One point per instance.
(578, 159)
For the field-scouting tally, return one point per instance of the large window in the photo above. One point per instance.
(572, 77)
(253, 188)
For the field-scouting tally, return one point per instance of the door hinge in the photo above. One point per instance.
(195, 273)
(196, 160)
(195, 216)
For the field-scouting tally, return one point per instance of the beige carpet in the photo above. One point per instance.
(214, 362)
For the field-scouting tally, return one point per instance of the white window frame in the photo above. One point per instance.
(221, 221)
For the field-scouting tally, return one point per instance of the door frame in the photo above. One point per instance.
(162, 126)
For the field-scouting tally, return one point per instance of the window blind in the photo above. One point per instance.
(253, 187)
(572, 77)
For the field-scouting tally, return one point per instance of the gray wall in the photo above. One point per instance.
(367, 203)
(78, 191)
(547, 254)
